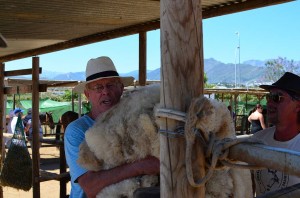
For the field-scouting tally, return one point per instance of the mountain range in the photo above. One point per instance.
(216, 71)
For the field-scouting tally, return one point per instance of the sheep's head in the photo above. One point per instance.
(205, 117)
(210, 116)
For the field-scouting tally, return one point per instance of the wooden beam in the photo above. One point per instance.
(62, 170)
(102, 36)
(142, 58)
(46, 176)
(20, 72)
(35, 127)
(2, 116)
(239, 6)
(182, 73)
(24, 89)
(265, 156)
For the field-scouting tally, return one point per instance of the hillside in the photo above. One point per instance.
(217, 72)
(251, 71)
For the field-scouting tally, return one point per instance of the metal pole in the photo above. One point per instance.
(235, 67)
(239, 49)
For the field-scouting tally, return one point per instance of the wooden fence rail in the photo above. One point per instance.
(265, 156)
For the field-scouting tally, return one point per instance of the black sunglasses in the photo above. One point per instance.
(275, 97)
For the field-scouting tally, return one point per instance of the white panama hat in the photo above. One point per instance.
(100, 68)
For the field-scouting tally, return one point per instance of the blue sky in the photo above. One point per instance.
(264, 33)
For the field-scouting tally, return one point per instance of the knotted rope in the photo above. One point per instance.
(216, 155)
(215, 151)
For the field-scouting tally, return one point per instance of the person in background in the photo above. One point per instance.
(7, 140)
(103, 88)
(28, 127)
(256, 119)
(283, 109)
(28, 116)
(232, 113)
(17, 112)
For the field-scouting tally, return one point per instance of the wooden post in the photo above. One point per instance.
(14, 101)
(142, 58)
(2, 114)
(62, 169)
(246, 103)
(35, 128)
(182, 77)
(79, 105)
(72, 99)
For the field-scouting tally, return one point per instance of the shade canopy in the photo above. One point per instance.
(37, 27)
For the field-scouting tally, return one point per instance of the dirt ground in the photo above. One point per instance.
(49, 162)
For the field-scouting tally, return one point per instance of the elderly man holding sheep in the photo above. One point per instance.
(103, 88)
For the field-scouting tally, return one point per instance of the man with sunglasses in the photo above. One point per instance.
(283, 111)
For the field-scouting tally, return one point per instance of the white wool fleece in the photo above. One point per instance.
(125, 133)
(211, 116)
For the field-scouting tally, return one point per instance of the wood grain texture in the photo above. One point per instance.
(181, 79)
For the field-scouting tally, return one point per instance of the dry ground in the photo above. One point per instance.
(50, 162)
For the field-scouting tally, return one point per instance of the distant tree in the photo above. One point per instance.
(205, 78)
(277, 67)
(68, 95)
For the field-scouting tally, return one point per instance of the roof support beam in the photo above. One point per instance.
(239, 6)
(142, 58)
(152, 25)
(213, 11)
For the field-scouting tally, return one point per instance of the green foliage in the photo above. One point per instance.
(206, 85)
(86, 106)
(68, 95)
(205, 78)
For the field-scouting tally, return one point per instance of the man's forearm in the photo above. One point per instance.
(93, 182)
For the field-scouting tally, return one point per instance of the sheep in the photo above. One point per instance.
(125, 133)
(209, 116)
(128, 132)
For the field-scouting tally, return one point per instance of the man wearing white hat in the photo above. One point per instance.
(103, 88)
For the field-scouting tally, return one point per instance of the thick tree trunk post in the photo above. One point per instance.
(142, 58)
(2, 114)
(35, 127)
(182, 76)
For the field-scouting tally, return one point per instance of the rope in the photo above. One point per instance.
(216, 152)
(163, 113)
(220, 151)
(216, 156)
(177, 133)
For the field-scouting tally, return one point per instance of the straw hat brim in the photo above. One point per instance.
(127, 81)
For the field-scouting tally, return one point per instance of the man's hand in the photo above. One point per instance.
(93, 182)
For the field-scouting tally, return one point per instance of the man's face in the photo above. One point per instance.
(281, 107)
(104, 94)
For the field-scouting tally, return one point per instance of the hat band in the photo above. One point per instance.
(102, 75)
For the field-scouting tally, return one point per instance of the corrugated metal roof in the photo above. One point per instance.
(33, 27)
